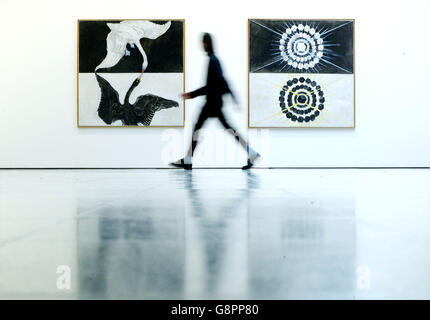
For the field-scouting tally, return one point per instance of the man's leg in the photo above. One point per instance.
(186, 161)
(252, 154)
(233, 132)
(195, 136)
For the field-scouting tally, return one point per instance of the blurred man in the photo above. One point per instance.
(216, 87)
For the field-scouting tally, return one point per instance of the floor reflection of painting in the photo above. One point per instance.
(121, 255)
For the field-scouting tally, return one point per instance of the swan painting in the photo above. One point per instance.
(115, 86)
(142, 111)
(130, 32)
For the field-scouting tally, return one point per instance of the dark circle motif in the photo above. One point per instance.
(302, 99)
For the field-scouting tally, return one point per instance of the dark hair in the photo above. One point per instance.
(207, 40)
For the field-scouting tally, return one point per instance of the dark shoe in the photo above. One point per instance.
(181, 164)
(251, 162)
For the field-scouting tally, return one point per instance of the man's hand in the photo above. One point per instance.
(236, 104)
(237, 107)
(186, 96)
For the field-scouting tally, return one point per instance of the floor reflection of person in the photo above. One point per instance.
(215, 88)
(219, 234)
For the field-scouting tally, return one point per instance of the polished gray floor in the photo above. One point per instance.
(215, 234)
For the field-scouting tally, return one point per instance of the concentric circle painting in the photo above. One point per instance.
(301, 73)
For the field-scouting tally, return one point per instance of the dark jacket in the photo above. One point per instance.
(216, 85)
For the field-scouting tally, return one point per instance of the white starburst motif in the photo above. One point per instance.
(301, 47)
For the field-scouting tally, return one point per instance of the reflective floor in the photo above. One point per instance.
(215, 234)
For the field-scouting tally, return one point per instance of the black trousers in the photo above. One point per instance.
(213, 109)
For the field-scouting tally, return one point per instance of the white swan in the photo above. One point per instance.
(130, 31)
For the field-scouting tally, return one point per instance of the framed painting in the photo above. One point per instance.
(301, 73)
(131, 73)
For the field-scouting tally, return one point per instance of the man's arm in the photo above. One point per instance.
(196, 93)
(221, 80)
(231, 93)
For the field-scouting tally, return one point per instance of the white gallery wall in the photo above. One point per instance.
(38, 65)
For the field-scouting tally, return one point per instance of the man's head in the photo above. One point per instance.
(207, 43)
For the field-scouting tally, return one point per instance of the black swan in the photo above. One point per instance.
(142, 111)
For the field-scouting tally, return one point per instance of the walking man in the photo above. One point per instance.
(216, 87)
